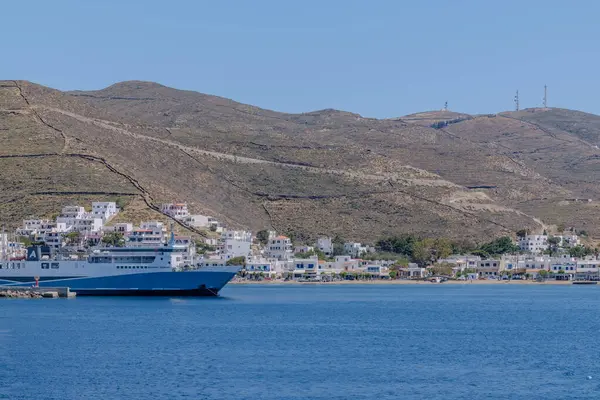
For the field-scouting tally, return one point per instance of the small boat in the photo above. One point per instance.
(585, 282)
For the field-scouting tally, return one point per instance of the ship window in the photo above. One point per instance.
(54, 265)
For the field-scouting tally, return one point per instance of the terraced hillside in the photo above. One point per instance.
(323, 172)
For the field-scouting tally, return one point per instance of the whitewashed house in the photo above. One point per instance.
(175, 210)
(121, 227)
(34, 226)
(325, 245)
(568, 241)
(488, 268)
(150, 233)
(280, 248)
(235, 244)
(301, 249)
(306, 268)
(355, 249)
(104, 210)
(534, 243)
(75, 218)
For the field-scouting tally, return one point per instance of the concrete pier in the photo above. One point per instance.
(36, 292)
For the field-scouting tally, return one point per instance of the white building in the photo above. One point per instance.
(54, 239)
(534, 243)
(325, 245)
(104, 210)
(307, 268)
(151, 233)
(489, 268)
(354, 249)
(75, 218)
(267, 268)
(34, 226)
(188, 256)
(175, 210)
(121, 227)
(461, 262)
(568, 241)
(197, 221)
(303, 249)
(280, 248)
(235, 244)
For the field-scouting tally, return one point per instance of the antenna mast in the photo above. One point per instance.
(545, 96)
(445, 106)
(517, 101)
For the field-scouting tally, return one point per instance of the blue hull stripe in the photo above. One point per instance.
(144, 283)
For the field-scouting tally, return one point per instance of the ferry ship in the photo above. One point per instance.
(118, 271)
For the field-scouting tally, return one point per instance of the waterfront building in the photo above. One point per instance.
(488, 268)
(306, 268)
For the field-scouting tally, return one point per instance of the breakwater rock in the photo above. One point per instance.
(20, 294)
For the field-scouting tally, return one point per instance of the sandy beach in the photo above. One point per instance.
(403, 282)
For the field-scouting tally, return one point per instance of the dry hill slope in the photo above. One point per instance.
(324, 172)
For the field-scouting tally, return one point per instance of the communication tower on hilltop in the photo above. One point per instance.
(545, 96)
(445, 106)
(517, 101)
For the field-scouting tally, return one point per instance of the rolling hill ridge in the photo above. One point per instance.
(322, 172)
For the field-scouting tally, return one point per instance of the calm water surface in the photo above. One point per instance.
(308, 342)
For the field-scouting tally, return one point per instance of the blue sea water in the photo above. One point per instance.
(308, 342)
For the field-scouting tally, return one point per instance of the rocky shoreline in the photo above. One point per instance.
(20, 294)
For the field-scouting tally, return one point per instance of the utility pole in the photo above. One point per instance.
(517, 101)
(545, 96)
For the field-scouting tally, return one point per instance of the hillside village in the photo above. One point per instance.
(268, 255)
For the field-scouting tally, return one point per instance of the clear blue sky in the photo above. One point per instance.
(377, 58)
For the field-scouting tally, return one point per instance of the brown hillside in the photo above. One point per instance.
(324, 172)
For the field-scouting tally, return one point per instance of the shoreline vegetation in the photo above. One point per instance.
(401, 282)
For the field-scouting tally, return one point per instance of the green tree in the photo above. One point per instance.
(241, 260)
(202, 247)
(121, 203)
(428, 250)
(73, 237)
(443, 269)
(560, 228)
(393, 274)
(580, 251)
(114, 239)
(522, 233)
(499, 246)
(25, 240)
(421, 251)
(442, 248)
(402, 244)
(263, 237)
(553, 243)
(463, 246)
(338, 249)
